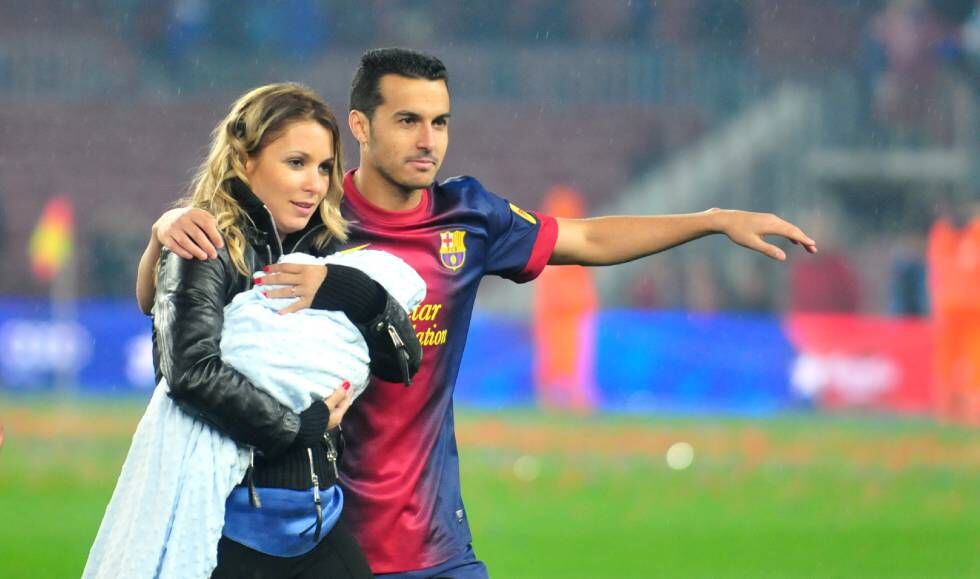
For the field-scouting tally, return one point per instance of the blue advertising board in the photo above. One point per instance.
(686, 362)
(104, 347)
(644, 361)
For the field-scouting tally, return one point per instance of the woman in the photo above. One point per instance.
(273, 181)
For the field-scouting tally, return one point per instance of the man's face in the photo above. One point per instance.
(409, 132)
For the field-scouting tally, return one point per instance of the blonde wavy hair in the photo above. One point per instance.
(256, 119)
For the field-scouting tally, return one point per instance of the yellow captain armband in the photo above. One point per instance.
(527, 216)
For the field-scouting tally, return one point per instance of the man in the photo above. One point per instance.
(401, 465)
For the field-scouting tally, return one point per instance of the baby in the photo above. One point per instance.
(305, 356)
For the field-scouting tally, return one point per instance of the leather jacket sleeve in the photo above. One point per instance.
(395, 351)
(393, 347)
(188, 317)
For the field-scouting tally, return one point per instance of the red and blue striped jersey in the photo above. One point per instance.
(400, 466)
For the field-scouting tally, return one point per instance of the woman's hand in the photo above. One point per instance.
(299, 281)
(338, 403)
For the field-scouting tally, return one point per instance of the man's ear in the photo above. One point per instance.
(360, 126)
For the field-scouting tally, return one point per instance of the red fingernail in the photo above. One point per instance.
(265, 269)
(258, 281)
(265, 294)
(346, 385)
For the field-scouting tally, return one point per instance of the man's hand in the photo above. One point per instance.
(748, 229)
(190, 233)
(300, 281)
(338, 403)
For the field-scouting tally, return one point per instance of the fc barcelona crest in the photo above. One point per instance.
(452, 249)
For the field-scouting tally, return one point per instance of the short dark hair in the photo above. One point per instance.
(365, 92)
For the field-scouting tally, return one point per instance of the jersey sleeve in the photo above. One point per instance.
(521, 242)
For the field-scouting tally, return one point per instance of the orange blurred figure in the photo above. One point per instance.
(564, 308)
(954, 281)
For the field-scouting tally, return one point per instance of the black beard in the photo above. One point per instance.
(404, 188)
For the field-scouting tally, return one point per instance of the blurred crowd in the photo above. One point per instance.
(175, 31)
(909, 49)
(898, 38)
(918, 61)
(306, 28)
(920, 65)
(888, 275)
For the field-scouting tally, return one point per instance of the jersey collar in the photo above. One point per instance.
(371, 212)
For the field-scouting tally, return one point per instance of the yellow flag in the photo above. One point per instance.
(51, 242)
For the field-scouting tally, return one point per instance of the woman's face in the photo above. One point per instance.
(291, 174)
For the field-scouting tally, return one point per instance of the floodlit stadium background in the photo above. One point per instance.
(702, 413)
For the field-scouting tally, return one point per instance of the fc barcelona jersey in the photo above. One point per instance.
(400, 467)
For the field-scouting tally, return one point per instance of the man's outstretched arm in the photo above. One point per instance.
(145, 282)
(612, 240)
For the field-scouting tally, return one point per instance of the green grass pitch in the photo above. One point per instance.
(590, 497)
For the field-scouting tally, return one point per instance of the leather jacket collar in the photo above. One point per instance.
(261, 230)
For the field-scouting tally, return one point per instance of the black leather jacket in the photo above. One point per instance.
(187, 321)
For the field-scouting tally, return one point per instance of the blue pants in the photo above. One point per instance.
(463, 566)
